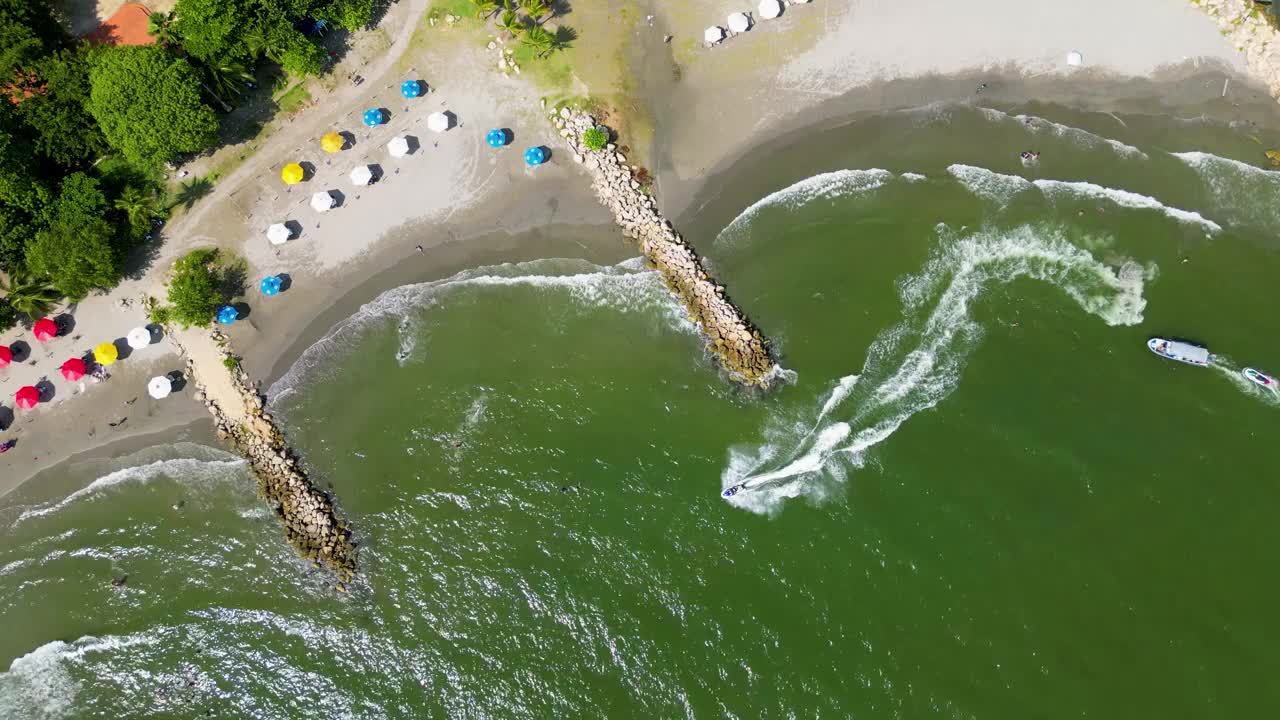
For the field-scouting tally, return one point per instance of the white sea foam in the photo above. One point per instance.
(186, 470)
(1236, 188)
(1233, 373)
(915, 364)
(628, 286)
(913, 177)
(840, 183)
(1001, 188)
(1074, 135)
(39, 686)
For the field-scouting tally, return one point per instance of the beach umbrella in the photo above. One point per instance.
(361, 175)
(411, 88)
(279, 234)
(44, 330)
(227, 315)
(372, 116)
(292, 174)
(497, 138)
(769, 9)
(27, 397)
(160, 387)
(713, 34)
(6, 355)
(73, 369)
(138, 338)
(105, 353)
(321, 201)
(535, 156)
(332, 142)
(739, 22)
(398, 146)
(438, 122)
(271, 284)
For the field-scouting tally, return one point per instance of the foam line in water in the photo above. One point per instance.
(1002, 188)
(628, 286)
(840, 183)
(1074, 135)
(186, 470)
(915, 364)
(1235, 188)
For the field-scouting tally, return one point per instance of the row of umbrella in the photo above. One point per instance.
(74, 369)
(741, 22)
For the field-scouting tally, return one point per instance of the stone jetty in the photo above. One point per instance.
(741, 349)
(311, 523)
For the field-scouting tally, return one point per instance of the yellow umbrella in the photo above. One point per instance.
(105, 353)
(292, 174)
(332, 142)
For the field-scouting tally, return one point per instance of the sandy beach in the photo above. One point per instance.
(464, 203)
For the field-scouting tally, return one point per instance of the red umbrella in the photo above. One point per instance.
(6, 355)
(73, 369)
(44, 330)
(27, 397)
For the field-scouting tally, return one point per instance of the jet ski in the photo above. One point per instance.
(733, 490)
(1260, 378)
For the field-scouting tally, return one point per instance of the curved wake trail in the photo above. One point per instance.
(1232, 372)
(917, 363)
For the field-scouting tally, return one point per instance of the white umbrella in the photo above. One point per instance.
(138, 338)
(398, 147)
(279, 234)
(739, 22)
(1074, 58)
(160, 387)
(769, 9)
(438, 122)
(713, 34)
(361, 175)
(322, 201)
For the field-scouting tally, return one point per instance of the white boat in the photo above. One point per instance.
(1261, 378)
(1180, 351)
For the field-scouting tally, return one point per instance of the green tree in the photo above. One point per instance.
(486, 9)
(74, 251)
(535, 9)
(63, 129)
(194, 290)
(301, 56)
(23, 196)
(227, 77)
(148, 104)
(348, 14)
(160, 25)
(539, 40)
(29, 295)
(212, 28)
(8, 316)
(137, 206)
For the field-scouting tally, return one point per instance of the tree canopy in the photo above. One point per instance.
(148, 104)
(74, 250)
(194, 290)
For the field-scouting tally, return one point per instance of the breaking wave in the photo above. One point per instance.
(1080, 138)
(831, 185)
(1002, 188)
(628, 286)
(1237, 188)
(917, 363)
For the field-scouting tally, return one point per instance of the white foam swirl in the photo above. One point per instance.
(940, 332)
(840, 183)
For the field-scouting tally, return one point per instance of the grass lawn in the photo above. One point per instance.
(294, 99)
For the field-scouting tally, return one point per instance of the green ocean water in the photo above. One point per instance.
(972, 493)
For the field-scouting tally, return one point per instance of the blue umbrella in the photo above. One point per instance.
(227, 315)
(372, 116)
(271, 284)
(535, 156)
(411, 88)
(497, 138)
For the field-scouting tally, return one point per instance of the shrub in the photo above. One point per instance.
(8, 316)
(194, 292)
(230, 362)
(595, 139)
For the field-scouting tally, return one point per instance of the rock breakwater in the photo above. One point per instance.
(738, 345)
(311, 523)
(1246, 25)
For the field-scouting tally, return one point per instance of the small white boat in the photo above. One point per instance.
(1261, 378)
(1180, 351)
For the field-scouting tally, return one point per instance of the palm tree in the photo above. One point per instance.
(486, 8)
(136, 205)
(228, 76)
(535, 9)
(160, 26)
(539, 40)
(511, 23)
(29, 295)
